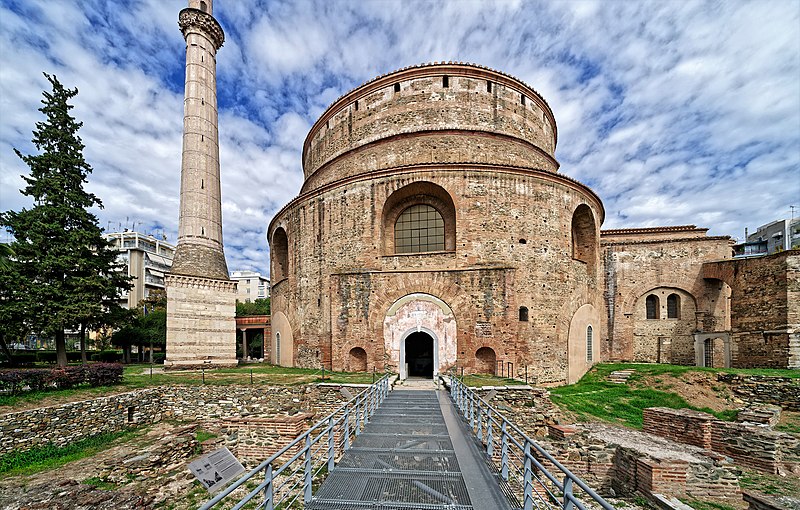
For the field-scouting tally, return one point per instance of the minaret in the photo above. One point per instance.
(201, 299)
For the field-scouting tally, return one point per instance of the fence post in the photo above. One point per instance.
(528, 503)
(347, 429)
(480, 422)
(504, 451)
(268, 495)
(568, 505)
(331, 451)
(471, 411)
(307, 476)
(489, 438)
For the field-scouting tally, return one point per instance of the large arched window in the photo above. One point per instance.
(280, 255)
(652, 305)
(673, 306)
(589, 344)
(418, 218)
(419, 228)
(584, 236)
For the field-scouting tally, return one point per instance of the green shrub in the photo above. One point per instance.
(46, 356)
(108, 356)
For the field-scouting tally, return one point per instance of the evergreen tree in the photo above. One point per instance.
(66, 273)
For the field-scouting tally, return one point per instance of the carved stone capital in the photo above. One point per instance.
(190, 20)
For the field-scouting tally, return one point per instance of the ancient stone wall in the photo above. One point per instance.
(661, 262)
(66, 423)
(765, 309)
(780, 391)
(749, 445)
(427, 99)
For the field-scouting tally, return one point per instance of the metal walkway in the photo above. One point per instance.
(415, 452)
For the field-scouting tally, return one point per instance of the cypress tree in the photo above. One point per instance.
(66, 273)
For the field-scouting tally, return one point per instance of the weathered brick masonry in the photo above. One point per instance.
(519, 275)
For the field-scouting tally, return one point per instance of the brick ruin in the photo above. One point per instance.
(509, 267)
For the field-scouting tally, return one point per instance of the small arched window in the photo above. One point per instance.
(589, 344)
(279, 250)
(673, 306)
(203, 7)
(278, 348)
(523, 313)
(419, 228)
(651, 303)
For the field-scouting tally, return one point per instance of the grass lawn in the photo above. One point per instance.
(594, 397)
(138, 376)
(489, 380)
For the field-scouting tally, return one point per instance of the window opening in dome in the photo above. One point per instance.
(445, 81)
(488, 86)
(397, 87)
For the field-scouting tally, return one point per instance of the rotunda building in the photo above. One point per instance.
(433, 231)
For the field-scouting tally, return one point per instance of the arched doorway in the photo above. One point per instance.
(419, 355)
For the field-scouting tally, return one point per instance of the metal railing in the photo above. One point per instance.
(519, 459)
(310, 456)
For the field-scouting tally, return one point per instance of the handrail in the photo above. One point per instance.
(483, 420)
(344, 422)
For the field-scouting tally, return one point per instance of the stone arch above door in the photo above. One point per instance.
(420, 312)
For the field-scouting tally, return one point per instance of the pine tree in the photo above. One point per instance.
(66, 272)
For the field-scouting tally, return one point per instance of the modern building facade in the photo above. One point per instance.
(250, 285)
(147, 259)
(774, 237)
(434, 231)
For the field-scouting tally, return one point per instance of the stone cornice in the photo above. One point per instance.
(196, 282)
(195, 20)
(652, 230)
(666, 240)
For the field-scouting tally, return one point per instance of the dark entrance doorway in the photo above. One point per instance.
(419, 355)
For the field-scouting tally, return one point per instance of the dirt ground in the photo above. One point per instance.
(64, 488)
(700, 389)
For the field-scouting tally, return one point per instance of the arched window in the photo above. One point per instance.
(203, 7)
(651, 303)
(673, 306)
(589, 344)
(417, 218)
(419, 228)
(523, 313)
(278, 348)
(584, 235)
(280, 255)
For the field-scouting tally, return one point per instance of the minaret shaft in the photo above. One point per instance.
(201, 298)
(200, 248)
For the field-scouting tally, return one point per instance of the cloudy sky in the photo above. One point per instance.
(674, 112)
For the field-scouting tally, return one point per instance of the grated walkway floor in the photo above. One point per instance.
(414, 453)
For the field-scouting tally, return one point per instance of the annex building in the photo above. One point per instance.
(434, 231)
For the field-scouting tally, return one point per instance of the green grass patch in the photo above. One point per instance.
(488, 380)
(203, 435)
(764, 483)
(100, 483)
(47, 457)
(707, 505)
(594, 397)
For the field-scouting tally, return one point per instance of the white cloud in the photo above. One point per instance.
(674, 112)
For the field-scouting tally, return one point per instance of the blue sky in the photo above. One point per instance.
(674, 112)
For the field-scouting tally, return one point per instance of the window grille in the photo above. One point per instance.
(420, 228)
(652, 306)
(589, 344)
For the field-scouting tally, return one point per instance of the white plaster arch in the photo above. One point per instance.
(420, 312)
(282, 327)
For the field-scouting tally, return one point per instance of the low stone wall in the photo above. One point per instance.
(529, 408)
(750, 445)
(681, 425)
(66, 423)
(624, 462)
(780, 391)
(254, 439)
